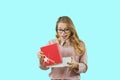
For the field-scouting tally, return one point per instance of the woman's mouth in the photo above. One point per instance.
(64, 37)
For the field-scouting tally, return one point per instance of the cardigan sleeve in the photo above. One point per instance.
(82, 65)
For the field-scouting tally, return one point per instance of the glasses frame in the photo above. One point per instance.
(66, 30)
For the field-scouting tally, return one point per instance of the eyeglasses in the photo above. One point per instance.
(64, 30)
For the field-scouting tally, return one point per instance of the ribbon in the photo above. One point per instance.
(47, 60)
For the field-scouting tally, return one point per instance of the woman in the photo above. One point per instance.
(70, 46)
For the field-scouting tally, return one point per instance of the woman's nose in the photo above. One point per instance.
(63, 33)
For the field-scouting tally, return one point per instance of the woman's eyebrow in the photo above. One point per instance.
(64, 28)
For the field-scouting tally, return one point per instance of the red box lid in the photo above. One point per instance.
(52, 54)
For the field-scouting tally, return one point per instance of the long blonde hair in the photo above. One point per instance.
(74, 39)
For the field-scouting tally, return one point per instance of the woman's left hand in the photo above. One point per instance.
(73, 64)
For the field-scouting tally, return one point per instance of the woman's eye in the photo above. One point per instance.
(66, 29)
(60, 29)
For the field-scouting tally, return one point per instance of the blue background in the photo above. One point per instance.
(26, 25)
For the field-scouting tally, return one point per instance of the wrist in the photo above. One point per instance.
(77, 66)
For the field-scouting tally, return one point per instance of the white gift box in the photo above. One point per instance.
(64, 63)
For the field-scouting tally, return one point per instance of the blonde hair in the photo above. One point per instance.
(74, 39)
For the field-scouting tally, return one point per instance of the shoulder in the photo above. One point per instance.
(52, 41)
(82, 44)
(83, 47)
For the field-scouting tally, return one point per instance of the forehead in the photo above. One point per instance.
(62, 25)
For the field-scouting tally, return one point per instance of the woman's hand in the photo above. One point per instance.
(40, 54)
(73, 64)
(41, 57)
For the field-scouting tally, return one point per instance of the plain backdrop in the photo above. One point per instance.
(26, 25)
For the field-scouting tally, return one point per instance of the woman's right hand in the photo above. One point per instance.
(41, 57)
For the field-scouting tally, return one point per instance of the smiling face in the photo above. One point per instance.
(63, 31)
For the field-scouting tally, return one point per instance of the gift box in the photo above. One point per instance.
(52, 55)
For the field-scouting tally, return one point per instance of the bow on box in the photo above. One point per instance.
(47, 60)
